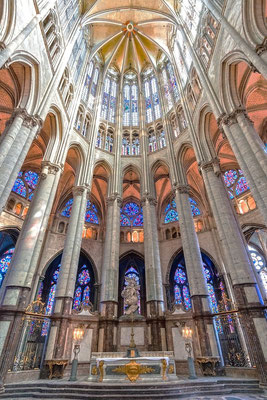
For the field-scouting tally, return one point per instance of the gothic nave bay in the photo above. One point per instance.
(133, 199)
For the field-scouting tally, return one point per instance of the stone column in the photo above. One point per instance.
(19, 279)
(110, 276)
(238, 265)
(16, 156)
(69, 266)
(12, 128)
(250, 155)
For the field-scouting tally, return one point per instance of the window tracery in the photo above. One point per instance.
(130, 101)
(82, 293)
(5, 260)
(91, 213)
(260, 265)
(109, 100)
(130, 143)
(171, 214)
(25, 184)
(131, 215)
(152, 102)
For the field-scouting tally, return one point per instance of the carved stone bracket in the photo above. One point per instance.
(261, 48)
(49, 168)
(231, 118)
(115, 197)
(150, 199)
(183, 189)
(79, 190)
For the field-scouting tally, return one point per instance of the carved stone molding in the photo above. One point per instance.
(150, 199)
(261, 48)
(49, 168)
(79, 190)
(211, 165)
(115, 197)
(183, 189)
(231, 118)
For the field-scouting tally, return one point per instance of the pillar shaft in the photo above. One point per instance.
(16, 156)
(12, 128)
(25, 258)
(250, 155)
(231, 238)
(154, 285)
(72, 245)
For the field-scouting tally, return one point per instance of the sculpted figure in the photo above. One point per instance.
(130, 295)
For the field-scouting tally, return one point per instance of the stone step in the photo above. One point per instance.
(83, 390)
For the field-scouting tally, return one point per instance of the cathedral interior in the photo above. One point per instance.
(133, 197)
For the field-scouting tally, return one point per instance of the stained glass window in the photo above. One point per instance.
(91, 214)
(50, 299)
(25, 184)
(181, 289)
(153, 109)
(87, 82)
(92, 95)
(132, 273)
(170, 212)
(82, 288)
(5, 260)
(190, 11)
(108, 109)
(235, 182)
(131, 215)
(260, 265)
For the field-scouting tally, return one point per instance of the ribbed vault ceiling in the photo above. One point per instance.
(129, 33)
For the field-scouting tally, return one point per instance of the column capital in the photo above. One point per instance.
(50, 168)
(211, 165)
(231, 118)
(181, 188)
(79, 190)
(150, 199)
(31, 121)
(115, 197)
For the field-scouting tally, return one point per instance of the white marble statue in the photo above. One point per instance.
(130, 295)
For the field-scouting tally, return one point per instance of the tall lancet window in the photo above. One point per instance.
(170, 85)
(92, 94)
(190, 13)
(109, 100)
(87, 82)
(130, 100)
(153, 109)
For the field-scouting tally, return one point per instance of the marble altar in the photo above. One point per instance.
(150, 366)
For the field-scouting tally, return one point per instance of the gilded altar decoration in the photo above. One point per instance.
(164, 365)
(171, 369)
(94, 370)
(133, 370)
(101, 370)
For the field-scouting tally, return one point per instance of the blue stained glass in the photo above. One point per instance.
(31, 178)
(212, 298)
(31, 196)
(124, 221)
(86, 296)
(56, 274)
(20, 174)
(177, 295)
(180, 276)
(4, 263)
(241, 186)
(207, 274)
(91, 217)
(67, 209)
(131, 209)
(20, 188)
(45, 327)
(138, 220)
(186, 296)
(77, 298)
(131, 269)
(167, 208)
(51, 299)
(230, 177)
(171, 216)
(84, 277)
(230, 194)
